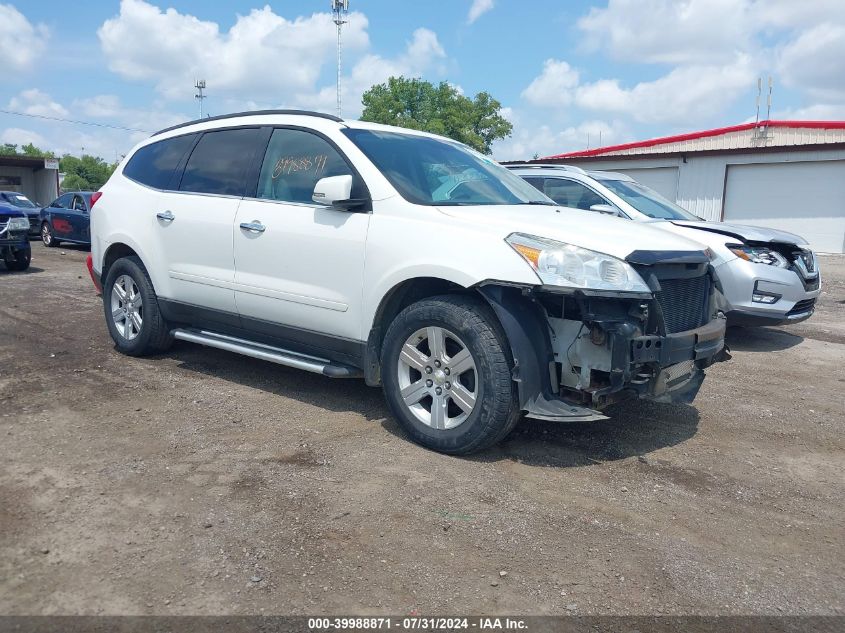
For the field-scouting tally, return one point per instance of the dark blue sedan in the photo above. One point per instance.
(67, 219)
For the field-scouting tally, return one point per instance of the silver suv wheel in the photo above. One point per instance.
(127, 307)
(437, 378)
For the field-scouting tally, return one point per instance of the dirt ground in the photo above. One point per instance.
(204, 482)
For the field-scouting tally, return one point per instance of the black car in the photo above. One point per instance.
(16, 200)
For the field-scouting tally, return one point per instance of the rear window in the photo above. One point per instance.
(154, 164)
(218, 162)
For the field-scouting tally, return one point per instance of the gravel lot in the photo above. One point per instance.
(204, 482)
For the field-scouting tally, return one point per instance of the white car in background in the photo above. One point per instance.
(767, 277)
(352, 249)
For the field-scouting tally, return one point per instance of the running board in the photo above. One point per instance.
(268, 353)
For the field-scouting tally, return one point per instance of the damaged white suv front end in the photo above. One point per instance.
(601, 329)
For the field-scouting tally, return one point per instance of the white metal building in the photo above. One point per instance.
(788, 175)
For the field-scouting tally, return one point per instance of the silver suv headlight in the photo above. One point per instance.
(560, 264)
(18, 224)
(758, 255)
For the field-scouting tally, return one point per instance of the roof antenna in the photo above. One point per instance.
(769, 101)
(759, 92)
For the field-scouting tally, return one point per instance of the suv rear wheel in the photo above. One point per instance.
(446, 372)
(132, 313)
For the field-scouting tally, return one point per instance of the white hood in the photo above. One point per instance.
(587, 229)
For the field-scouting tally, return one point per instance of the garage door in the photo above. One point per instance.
(664, 180)
(807, 198)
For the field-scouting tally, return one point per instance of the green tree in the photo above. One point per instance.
(11, 149)
(88, 173)
(440, 109)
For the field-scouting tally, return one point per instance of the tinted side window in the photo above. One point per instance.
(62, 202)
(154, 164)
(294, 162)
(571, 194)
(536, 182)
(218, 162)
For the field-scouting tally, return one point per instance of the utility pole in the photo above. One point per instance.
(199, 84)
(340, 9)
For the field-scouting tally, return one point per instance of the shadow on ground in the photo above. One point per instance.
(635, 428)
(760, 339)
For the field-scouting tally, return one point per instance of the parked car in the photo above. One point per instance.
(768, 277)
(16, 200)
(14, 243)
(67, 219)
(352, 249)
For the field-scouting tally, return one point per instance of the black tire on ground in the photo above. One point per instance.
(154, 335)
(47, 235)
(21, 260)
(496, 411)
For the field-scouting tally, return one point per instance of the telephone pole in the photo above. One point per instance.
(199, 84)
(340, 9)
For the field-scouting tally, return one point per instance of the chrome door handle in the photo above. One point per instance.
(253, 227)
(166, 216)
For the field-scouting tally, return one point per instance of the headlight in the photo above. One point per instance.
(758, 255)
(18, 224)
(559, 264)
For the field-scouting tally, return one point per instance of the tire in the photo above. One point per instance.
(468, 325)
(21, 260)
(153, 335)
(47, 236)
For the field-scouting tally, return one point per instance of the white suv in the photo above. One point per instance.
(358, 250)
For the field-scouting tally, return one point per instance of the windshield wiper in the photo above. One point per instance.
(541, 203)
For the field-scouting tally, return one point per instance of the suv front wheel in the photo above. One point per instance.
(132, 313)
(446, 373)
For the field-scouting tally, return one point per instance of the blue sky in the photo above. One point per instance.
(564, 70)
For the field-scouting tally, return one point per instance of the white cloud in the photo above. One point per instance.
(18, 136)
(815, 112)
(554, 87)
(669, 31)
(547, 139)
(815, 61)
(685, 92)
(479, 8)
(20, 41)
(262, 54)
(37, 103)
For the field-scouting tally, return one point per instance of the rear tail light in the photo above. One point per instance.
(94, 197)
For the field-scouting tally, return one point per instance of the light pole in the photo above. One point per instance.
(340, 9)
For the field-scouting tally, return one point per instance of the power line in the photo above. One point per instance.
(55, 118)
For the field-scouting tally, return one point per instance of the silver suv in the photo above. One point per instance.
(767, 277)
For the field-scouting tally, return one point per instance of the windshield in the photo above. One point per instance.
(17, 200)
(648, 202)
(432, 171)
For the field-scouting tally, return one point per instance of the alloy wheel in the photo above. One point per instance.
(437, 378)
(127, 307)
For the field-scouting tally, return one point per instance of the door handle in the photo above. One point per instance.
(166, 216)
(253, 227)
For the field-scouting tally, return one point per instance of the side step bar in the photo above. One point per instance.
(267, 352)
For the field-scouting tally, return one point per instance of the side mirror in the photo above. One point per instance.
(607, 209)
(336, 191)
